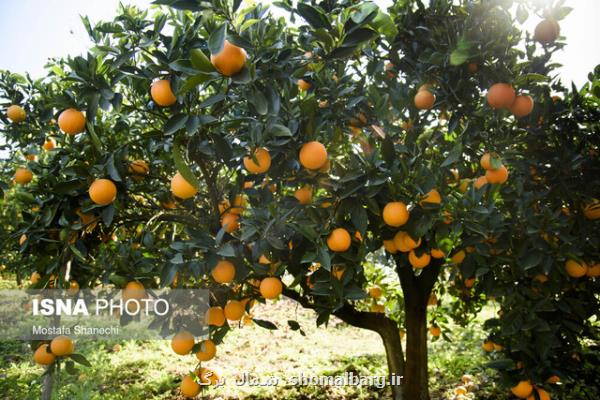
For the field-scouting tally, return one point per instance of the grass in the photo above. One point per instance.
(149, 370)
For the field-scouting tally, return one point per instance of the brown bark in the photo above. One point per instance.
(417, 290)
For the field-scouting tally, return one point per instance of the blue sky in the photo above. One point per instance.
(32, 31)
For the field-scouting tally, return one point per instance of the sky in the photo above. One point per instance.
(31, 31)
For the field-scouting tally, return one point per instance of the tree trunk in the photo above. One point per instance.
(417, 290)
(395, 359)
(48, 383)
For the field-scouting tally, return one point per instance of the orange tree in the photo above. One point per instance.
(229, 150)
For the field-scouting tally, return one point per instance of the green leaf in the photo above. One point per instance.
(194, 81)
(342, 52)
(385, 25)
(313, 16)
(522, 14)
(184, 66)
(279, 130)
(359, 36)
(200, 61)
(453, 156)
(265, 324)
(183, 167)
(217, 39)
(259, 101)
(80, 359)
(175, 123)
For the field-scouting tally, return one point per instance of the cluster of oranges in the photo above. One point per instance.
(578, 269)
(524, 390)
(502, 96)
(60, 346)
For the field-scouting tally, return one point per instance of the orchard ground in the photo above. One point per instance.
(148, 370)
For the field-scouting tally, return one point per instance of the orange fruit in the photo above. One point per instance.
(234, 310)
(593, 270)
(162, 94)
(16, 113)
(522, 106)
(424, 100)
(271, 287)
(207, 351)
(23, 176)
(472, 67)
(522, 390)
(395, 214)
(182, 343)
(488, 346)
(486, 161)
(35, 277)
(230, 60)
(432, 197)
(418, 261)
(437, 253)
(207, 376)
(42, 355)
(541, 278)
(497, 176)
(409, 242)
(498, 347)
(389, 246)
(591, 210)
(481, 182)
(378, 308)
(223, 272)
(313, 155)
(576, 269)
(71, 121)
(375, 292)
(554, 379)
(62, 346)
(464, 185)
(182, 188)
(264, 162)
(458, 257)
(339, 240)
(230, 222)
(303, 85)
(139, 167)
(542, 395)
(304, 195)
(469, 283)
(435, 331)
(432, 301)
(30, 157)
(49, 144)
(547, 31)
(103, 191)
(189, 387)
(239, 203)
(501, 95)
(399, 242)
(215, 316)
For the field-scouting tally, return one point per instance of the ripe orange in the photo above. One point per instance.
(424, 100)
(375, 292)
(497, 176)
(591, 210)
(542, 395)
(223, 272)
(431, 197)
(162, 94)
(23, 176)
(304, 195)
(313, 155)
(215, 316)
(230, 60)
(554, 379)
(103, 191)
(207, 351)
(30, 157)
(395, 214)
(541, 278)
(207, 376)
(16, 113)
(435, 331)
(469, 283)
(182, 188)
(62, 346)
(547, 31)
(303, 85)
(501, 95)
(418, 261)
(464, 185)
(378, 308)
(498, 347)
(576, 269)
(139, 167)
(389, 246)
(593, 270)
(71, 121)
(271, 287)
(230, 222)
(49, 144)
(234, 310)
(42, 355)
(189, 387)
(264, 162)
(486, 161)
(339, 240)
(481, 182)
(458, 257)
(35, 277)
(488, 346)
(432, 301)
(522, 106)
(182, 343)
(522, 390)
(437, 253)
